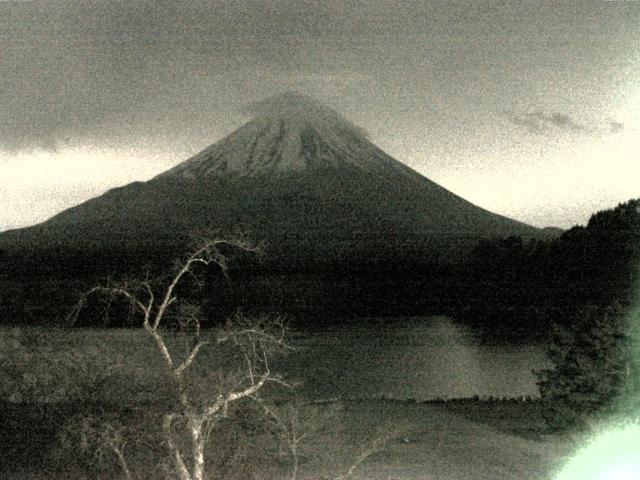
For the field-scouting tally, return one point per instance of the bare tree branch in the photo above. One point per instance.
(147, 312)
(207, 254)
(162, 346)
(181, 468)
(189, 360)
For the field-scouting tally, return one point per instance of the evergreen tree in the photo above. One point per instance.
(591, 365)
(595, 343)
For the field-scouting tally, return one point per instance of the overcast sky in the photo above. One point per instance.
(530, 109)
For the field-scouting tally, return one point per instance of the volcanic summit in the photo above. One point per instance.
(290, 133)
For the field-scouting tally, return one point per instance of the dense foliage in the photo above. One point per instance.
(591, 361)
(523, 288)
(594, 348)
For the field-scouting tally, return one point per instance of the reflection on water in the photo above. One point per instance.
(420, 358)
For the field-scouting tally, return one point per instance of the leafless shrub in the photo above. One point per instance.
(105, 439)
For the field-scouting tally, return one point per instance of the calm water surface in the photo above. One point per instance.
(422, 358)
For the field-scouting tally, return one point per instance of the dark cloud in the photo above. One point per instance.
(545, 123)
(563, 121)
(110, 71)
(615, 127)
(104, 72)
(541, 123)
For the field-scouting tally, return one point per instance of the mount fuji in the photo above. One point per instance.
(298, 176)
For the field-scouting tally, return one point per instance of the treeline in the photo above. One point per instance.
(308, 281)
(522, 288)
(508, 289)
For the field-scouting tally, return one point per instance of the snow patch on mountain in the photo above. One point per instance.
(289, 133)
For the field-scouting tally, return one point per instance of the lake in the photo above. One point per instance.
(417, 358)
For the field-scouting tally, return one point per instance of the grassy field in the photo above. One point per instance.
(453, 440)
(51, 376)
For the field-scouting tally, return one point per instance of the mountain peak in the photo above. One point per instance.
(288, 132)
(299, 109)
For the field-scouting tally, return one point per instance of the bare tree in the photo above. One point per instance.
(296, 422)
(254, 339)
